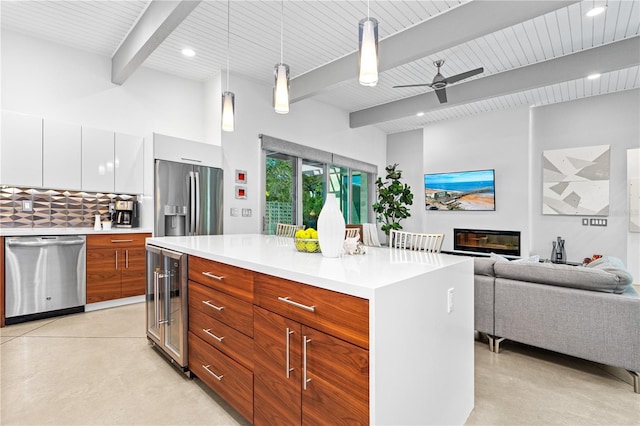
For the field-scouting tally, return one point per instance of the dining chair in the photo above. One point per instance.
(286, 230)
(352, 233)
(430, 243)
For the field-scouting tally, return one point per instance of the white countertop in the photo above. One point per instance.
(357, 275)
(30, 232)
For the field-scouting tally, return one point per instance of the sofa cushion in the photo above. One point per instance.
(607, 279)
(483, 266)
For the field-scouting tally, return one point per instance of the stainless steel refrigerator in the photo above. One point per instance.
(188, 199)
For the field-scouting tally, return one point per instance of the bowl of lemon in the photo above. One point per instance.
(306, 241)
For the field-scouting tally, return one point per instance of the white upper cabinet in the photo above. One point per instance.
(21, 150)
(129, 163)
(97, 160)
(62, 158)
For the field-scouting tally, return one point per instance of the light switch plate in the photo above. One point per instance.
(246, 212)
(585, 221)
(598, 222)
(235, 211)
(27, 206)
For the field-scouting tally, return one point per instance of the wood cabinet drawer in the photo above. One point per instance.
(233, 383)
(222, 307)
(237, 282)
(236, 345)
(337, 314)
(116, 240)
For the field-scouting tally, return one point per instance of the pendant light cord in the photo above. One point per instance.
(282, 32)
(228, 42)
(368, 9)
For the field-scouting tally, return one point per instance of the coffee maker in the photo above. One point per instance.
(127, 214)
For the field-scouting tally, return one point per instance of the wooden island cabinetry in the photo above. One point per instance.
(115, 266)
(303, 375)
(290, 338)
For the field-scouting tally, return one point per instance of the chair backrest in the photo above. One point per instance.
(286, 230)
(431, 243)
(352, 233)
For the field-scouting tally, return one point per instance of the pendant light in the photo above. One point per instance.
(368, 50)
(228, 98)
(281, 90)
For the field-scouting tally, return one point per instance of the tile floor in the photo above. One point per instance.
(96, 368)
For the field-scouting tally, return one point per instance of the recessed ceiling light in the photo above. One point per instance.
(420, 114)
(593, 76)
(596, 11)
(188, 52)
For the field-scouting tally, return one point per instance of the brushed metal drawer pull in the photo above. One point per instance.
(208, 331)
(210, 275)
(206, 367)
(305, 380)
(209, 304)
(121, 241)
(287, 368)
(297, 305)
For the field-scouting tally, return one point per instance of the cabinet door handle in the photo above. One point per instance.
(116, 259)
(289, 370)
(296, 304)
(210, 275)
(206, 367)
(156, 288)
(209, 304)
(126, 259)
(304, 361)
(121, 241)
(208, 331)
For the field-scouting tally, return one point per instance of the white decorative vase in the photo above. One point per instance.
(331, 228)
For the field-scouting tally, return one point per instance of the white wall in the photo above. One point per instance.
(496, 140)
(308, 123)
(405, 149)
(53, 81)
(613, 120)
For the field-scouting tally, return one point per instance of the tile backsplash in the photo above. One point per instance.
(54, 208)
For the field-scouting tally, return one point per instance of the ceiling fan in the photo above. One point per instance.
(440, 82)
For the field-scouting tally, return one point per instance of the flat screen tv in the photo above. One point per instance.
(465, 191)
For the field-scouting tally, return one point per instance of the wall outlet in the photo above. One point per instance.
(450, 300)
(598, 222)
(235, 211)
(246, 212)
(27, 206)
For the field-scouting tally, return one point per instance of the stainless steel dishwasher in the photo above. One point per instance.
(44, 276)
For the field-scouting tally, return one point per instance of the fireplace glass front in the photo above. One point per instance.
(487, 241)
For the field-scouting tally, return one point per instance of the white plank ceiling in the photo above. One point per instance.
(317, 32)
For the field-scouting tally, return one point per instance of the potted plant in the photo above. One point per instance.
(393, 199)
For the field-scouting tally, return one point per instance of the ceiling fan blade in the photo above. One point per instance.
(442, 95)
(414, 85)
(464, 75)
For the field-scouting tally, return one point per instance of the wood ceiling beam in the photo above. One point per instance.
(154, 26)
(610, 57)
(456, 26)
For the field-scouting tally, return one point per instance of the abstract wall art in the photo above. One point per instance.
(576, 181)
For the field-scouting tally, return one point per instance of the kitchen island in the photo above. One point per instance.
(415, 350)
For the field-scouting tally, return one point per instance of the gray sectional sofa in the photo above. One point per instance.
(590, 312)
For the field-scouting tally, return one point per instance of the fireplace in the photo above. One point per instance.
(487, 241)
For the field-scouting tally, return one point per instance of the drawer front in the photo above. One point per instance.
(337, 314)
(234, 383)
(237, 282)
(116, 240)
(222, 307)
(236, 345)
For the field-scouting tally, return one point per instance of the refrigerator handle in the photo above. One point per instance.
(192, 204)
(197, 197)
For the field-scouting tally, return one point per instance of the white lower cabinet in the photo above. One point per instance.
(21, 150)
(98, 168)
(62, 155)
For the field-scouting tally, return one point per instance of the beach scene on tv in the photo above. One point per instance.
(473, 190)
